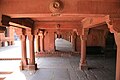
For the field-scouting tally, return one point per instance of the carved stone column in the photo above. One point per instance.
(51, 44)
(24, 61)
(83, 62)
(37, 47)
(41, 41)
(117, 39)
(114, 27)
(32, 65)
(73, 41)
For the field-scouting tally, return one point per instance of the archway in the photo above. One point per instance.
(63, 42)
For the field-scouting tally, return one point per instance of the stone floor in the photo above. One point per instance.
(56, 68)
(67, 68)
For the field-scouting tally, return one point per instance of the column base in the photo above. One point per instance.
(83, 67)
(32, 67)
(23, 67)
(28, 67)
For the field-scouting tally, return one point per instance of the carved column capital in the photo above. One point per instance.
(83, 37)
(41, 34)
(113, 24)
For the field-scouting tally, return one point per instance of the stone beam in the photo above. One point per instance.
(91, 22)
(53, 25)
(23, 22)
(4, 20)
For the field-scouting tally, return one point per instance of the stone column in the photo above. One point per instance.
(41, 41)
(117, 39)
(73, 42)
(24, 61)
(32, 65)
(37, 47)
(83, 62)
(51, 40)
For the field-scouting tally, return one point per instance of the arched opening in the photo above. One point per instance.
(62, 43)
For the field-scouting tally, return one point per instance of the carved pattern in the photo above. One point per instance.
(56, 6)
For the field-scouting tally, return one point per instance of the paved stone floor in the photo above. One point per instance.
(67, 68)
(56, 68)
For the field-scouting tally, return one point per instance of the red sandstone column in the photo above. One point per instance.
(24, 61)
(32, 65)
(73, 41)
(23, 46)
(41, 41)
(36, 38)
(51, 40)
(83, 62)
(117, 39)
(31, 45)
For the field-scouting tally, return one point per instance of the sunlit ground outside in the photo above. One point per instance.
(10, 66)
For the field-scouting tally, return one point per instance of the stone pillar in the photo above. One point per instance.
(24, 61)
(117, 39)
(41, 41)
(73, 41)
(37, 45)
(32, 65)
(83, 62)
(51, 40)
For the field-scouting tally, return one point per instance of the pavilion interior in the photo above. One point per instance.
(59, 40)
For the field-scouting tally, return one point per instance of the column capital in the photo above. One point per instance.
(113, 24)
(41, 34)
(31, 37)
(83, 37)
(85, 31)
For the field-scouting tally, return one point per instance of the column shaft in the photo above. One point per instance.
(37, 48)
(42, 43)
(117, 39)
(23, 47)
(73, 42)
(83, 62)
(32, 55)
